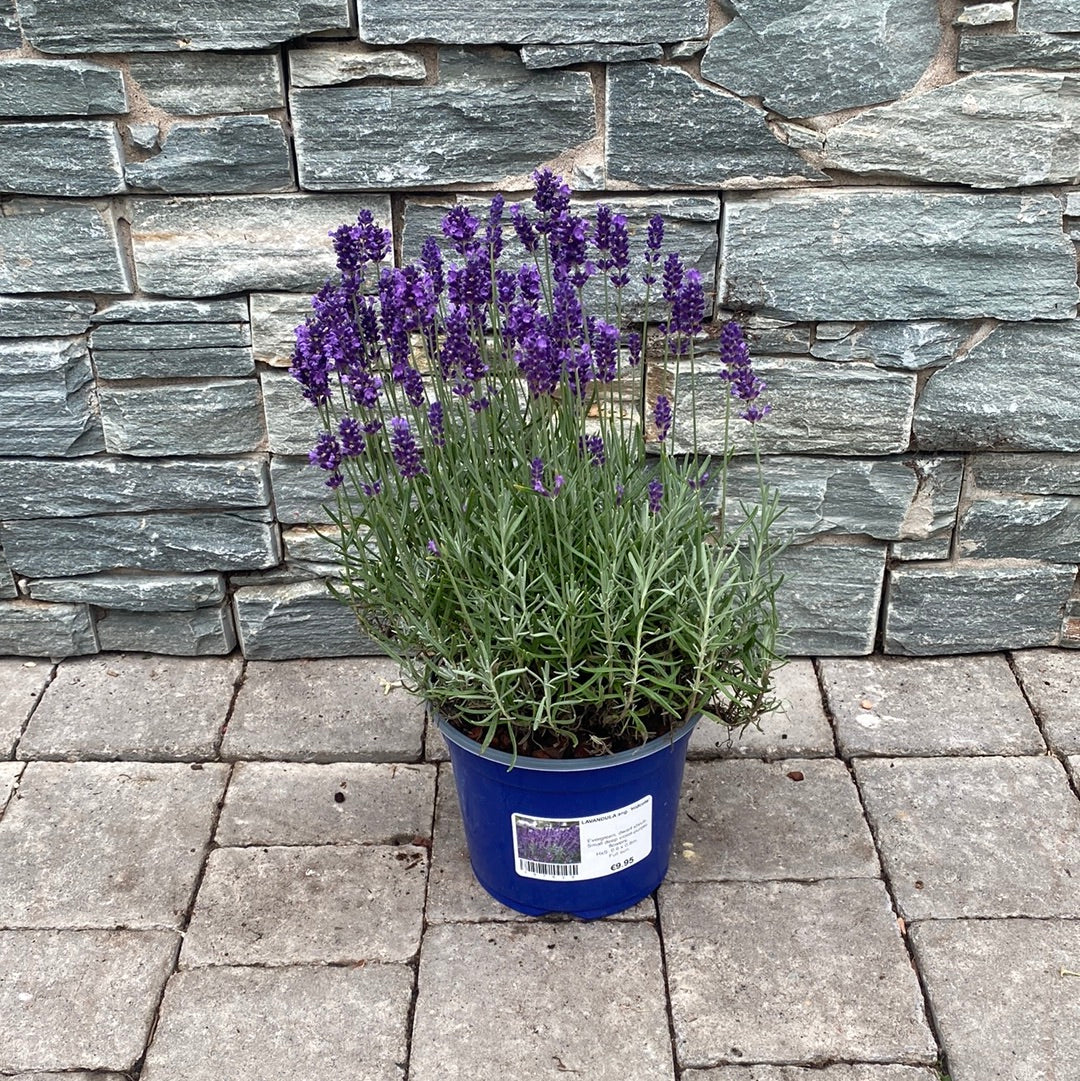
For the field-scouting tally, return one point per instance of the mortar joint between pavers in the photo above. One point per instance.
(241, 677)
(52, 674)
(1074, 786)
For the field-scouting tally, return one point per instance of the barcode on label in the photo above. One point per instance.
(560, 870)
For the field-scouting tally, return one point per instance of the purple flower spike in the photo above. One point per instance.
(744, 385)
(437, 423)
(524, 229)
(662, 417)
(552, 196)
(633, 348)
(432, 261)
(688, 307)
(326, 453)
(673, 277)
(653, 242)
(656, 495)
(459, 227)
(404, 449)
(351, 436)
(433, 548)
(536, 471)
(620, 252)
(360, 244)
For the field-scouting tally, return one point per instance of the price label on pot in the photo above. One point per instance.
(573, 849)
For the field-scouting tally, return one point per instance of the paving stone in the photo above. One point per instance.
(68, 1075)
(9, 779)
(797, 729)
(975, 837)
(36, 629)
(120, 706)
(324, 711)
(106, 844)
(529, 977)
(804, 59)
(561, 56)
(60, 26)
(53, 246)
(43, 317)
(30, 87)
(337, 62)
(394, 22)
(926, 255)
(1051, 680)
(21, 684)
(754, 821)
(307, 905)
(1073, 765)
(664, 128)
(1021, 527)
(310, 1023)
(996, 51)
(202, 632)
(975, 606)
(79, 999)
(187, 247)
(999, 997)
(290, 803)
(36, 487)
(1055, 16)
(799, 1073)
(928, 706)
(485, 120)
(197, 84)
(70, 158)
(790, 972)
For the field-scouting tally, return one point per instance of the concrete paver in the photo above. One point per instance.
(123, 706)
(9, 777)
(1002, 997)
(21, 684)
(975, 836)
(928, 706)
(324, 711)
(844, 1072)
(790, 972)
(67, 1075)
(105, 844)
(798, 818)
(305, 905)
(539, 1000)
(1072, 763)
(73, 1000)
(798, 729)
(300, 803)
(1051, 679)
(301, 1023)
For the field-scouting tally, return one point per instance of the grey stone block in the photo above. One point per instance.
(975, 403)
(897, 255)
(1031, 1031)
(80, 998)
(106, 844)
(975, 606)
(841, 988)
(928, 706)
(666, 129)
(996, 51)
(305, 905)
(197, 84)
(773, 336)
(129, 707)
(134, 592)
(395, 22)
(130, 333)
(292, 423)
(334, 63)
(829, 601)
(10, 35)
(57, 547)
(58, 26)
(31, 87)
(34, 487)
(985, 14)
(159, 316)
(1051, 681)
(198, 633)
(310, 1021)
(289, 803)
(911, 346)
(69, 158)
(208, 417)
(483, 124)
(324, 711)
(304, 545)
(43, 317)
(798, 729)
(46, 399)
(172, 363)
(223, 155)
(986, 130)
(300, 492)
(21, 684)
(1023, 527)
(34, 629)
(563, 56)
(861, 1072)
(1045, 474)
(1055, 16)
(975, 837)
(274, 319)
(8, 590)
(755, 821)
(529, 978)
(805, 59)
(199, 247)
(50, 246)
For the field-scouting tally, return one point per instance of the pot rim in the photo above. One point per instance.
(564, 765)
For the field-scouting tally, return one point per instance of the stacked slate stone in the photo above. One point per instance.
(885, 192)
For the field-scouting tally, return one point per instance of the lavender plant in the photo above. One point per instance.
(513, 525)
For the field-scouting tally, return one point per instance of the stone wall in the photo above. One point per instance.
(886, 189)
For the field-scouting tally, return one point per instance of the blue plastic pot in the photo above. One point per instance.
(585, 836)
